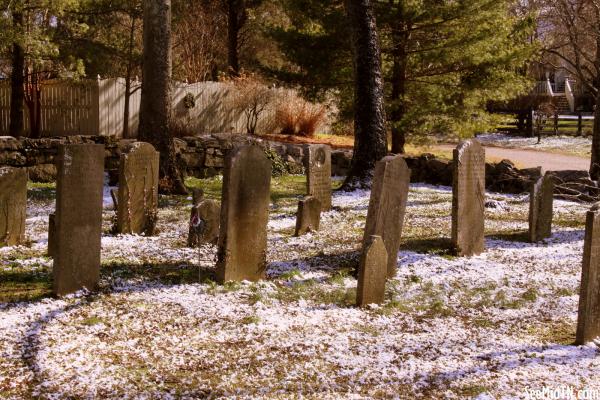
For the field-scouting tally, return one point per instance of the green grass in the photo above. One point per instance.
(41, 191)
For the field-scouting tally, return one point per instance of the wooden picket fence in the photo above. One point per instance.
(96, 107)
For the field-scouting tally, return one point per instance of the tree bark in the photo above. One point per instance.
(370, 139)
(155, 107)
(400, 37)
(595, 160)
(233, 30)
(17, 82)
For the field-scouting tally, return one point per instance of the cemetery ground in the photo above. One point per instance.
(490, 326)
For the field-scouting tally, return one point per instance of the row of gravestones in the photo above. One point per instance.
(239, 224)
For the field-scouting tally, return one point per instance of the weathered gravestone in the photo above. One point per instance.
(138, 189)
(318, 174)
(13, 205)
(540, 208)
(204, 221)
(468, 198)
(308, 216)
(244, 215)
(385, 218)
(588, 322)
(372, 272)
(78, 217)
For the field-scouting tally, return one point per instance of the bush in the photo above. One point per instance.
(298, 117)
(252, 97)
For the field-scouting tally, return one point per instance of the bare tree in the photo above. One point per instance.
(571, 31)
(370, 139)
(155, 107)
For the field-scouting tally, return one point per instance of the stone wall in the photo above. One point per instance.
(203, 156)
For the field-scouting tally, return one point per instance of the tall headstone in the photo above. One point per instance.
(318, 174)
(138, 189)
(78, 220)
(468, 198)
(385, 218)
(244, 215)
(13, 205)
(308, 216)
(540, 208)
(588, 322)
(372, 272)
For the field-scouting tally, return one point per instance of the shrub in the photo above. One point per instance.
(252, 98)
(298, 117)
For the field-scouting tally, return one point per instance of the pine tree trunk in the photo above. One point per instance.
(232, 36)
(17, 82)
(155, 107)
(370, 139)
(398, 109)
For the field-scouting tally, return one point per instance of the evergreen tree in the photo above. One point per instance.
(443, 61)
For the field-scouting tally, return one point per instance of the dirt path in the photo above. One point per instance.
(531, 158)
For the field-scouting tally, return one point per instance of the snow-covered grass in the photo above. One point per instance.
(580, 146)
(490, 326)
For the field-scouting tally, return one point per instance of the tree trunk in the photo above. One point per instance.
(595, 161)
(233, 28)
(17, 82)
(370, 139)
(155, 107)
(400, 60)
(128, 74)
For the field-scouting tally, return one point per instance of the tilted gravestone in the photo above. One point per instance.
(468, 198)
(78, 220)
(13, 205)
(318, 174)
(540, 208)
(588, 322)
(138, 189)
(204, 223)
(244, 215)
(372, 272)
(385, 218)
(308, 216)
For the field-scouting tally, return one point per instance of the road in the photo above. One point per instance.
(531, 158)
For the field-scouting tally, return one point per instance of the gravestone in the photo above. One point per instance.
(372, 272)
(138, 189)
(308, 216)
(52, 234)
(204, 223)
(318, 174)
(387, 204)
(588, 322)
(245, 196)
(468, 198)
(78, 220)
(540, 209)
(13, 205)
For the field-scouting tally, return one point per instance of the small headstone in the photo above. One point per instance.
(468, 198)
(138, 189)
(244, 215)
(588, 322)
(197, 196)
(540, 209)
(318, 174)
(385, 218)
(308, 216)
(52, 235)
(372, 272)
(13, 205)
(204, 223)
(78, 217)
